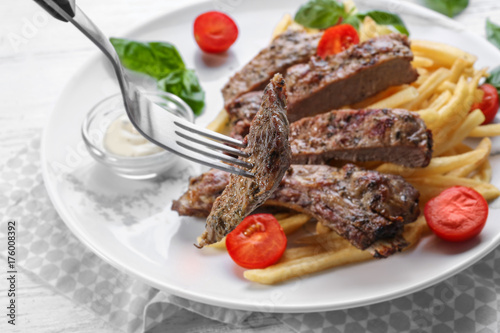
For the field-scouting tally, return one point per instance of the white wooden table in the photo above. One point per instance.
(37, 56)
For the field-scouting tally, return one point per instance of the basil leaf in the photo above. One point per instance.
(155, 59)
(494, 78)
(352, 20)
(320, 14)
(184, 83)
(447, 7)
(385, 18)
(493, 33)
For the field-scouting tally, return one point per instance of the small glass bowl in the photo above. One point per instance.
(101, 116)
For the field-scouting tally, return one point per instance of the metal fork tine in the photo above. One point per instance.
(214, 154)
(209, 134)
(216, 164)
(214, 145)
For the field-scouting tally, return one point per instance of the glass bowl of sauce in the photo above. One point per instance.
(112, 140)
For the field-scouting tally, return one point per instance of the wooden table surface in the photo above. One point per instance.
(37, 57)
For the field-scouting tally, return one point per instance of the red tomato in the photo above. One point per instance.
(215, 32)
(257, 242)
(336, 39)
(457, 214)
(489, 103)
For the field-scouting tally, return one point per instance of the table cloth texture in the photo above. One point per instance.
(466, 302)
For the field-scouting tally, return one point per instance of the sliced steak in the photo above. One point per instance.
(241, 113)
(365, 207)
(348, 77)
(287, 49)
(387, 135)
(269, 149)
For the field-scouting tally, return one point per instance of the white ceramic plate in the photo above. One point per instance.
(130, 224)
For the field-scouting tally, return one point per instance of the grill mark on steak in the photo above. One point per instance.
(387, 135)
(287, 49)
(365, 207)
(268, 145)
(350, 76)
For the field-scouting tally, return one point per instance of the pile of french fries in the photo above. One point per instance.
(443, 95)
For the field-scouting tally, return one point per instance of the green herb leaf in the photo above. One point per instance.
(352, 20)
(385, 18)
(155, 59)
(494, 78)
(493, 33)
(320, 14)
(184, 83)
(447, 7)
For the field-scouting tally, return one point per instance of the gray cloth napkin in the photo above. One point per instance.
(467, 302)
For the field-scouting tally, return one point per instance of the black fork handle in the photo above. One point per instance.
(68, 6)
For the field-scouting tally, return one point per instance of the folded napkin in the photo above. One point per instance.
(466, 302)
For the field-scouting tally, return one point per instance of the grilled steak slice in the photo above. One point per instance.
(365, 207)
(289, 48)
(348, 77)
(388, 135)
(241, 112)
(269, 149)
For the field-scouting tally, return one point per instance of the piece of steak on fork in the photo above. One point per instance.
(269, 149)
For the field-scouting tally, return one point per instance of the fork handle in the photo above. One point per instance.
(54, 6)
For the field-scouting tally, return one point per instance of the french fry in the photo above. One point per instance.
(485, 130)
(484, 149)
(484, 173)
(322, 229)
(397, 99)
(294, 222)
(472, 121)
(300, 252)
(427, 88)
(456, 70)
(446, 85)
(437, 166)
(282, 25)
(419, 61)
(220, 123)
(319, 262)
(442, 54)
(433, 185)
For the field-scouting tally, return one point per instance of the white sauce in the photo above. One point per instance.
(122, 139)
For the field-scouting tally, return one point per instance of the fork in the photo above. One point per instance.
(163, 128)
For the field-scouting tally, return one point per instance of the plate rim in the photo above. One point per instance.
(213, 300)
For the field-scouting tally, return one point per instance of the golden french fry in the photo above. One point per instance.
(437, 166)
(446, 85)
(428, 87)
(484, 173)
(485, 130)
(472, 121)
(284, 215)
(442, 54)
(322, 229)
(220, 123)
(368, 29)
(294, 222)
(419, 61)
(325, 260)
(300, 252)
(429, 116)
(282, 25)
(397, 99)
(471, 164)
(433, 185)
(456, 70)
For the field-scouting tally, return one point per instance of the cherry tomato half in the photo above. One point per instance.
(337, 39)
(215, 32)
(457, 214)
(257, 242)
(489, 103)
